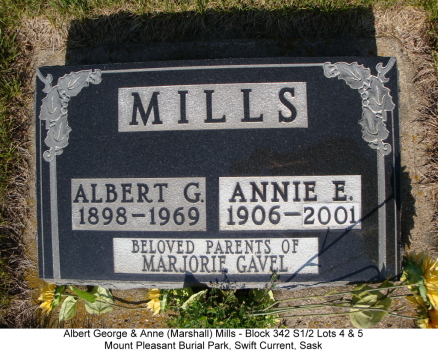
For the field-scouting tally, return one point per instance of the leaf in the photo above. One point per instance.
(58, 134)
(84, 295)
(369, 123)
(179, 296)
(360, 291)
(270, 296)
(182, 292)
(419, 305)
(361, 319)
(365, 299)
(362, 296)
(423, 293)
(367, 318)
(412, 273)
(71, 84)
(387, 284)
(193, 298)
(164, 299)
(380, 99)
(51, 107)
(369, 300)
(331, 292)
(261, 295)
(370, 317)
(59, 291)
(68, 309)
(103, 303)
(354, 75)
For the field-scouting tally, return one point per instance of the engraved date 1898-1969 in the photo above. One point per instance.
(155, 216)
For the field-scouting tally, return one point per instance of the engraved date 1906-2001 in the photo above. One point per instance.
(288, 203)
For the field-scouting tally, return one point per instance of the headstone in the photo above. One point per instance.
(172, 174)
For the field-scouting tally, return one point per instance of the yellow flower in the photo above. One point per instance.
(430, 274)
(429, 318)
(154, 304)
(47, 296)
(431, 321)
(154, 294)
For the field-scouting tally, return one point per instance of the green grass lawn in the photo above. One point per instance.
(12, 71)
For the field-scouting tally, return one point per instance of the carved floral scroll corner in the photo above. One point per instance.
(54, 109)
(376, 98)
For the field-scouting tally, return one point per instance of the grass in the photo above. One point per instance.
(10, 89)
(432, 9)
(275, 13)
(225, 309)
(59, 11)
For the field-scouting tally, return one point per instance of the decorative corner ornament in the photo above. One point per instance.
(54, 107)
(376, 98)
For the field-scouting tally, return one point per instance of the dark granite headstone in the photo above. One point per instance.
(220, 171)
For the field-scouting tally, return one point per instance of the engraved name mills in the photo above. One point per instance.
(214, 106)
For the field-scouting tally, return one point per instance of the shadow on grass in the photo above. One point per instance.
(125, 37)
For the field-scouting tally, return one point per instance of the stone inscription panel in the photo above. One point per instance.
(172, 174)
(225, 106)
(210, 256)
(160, 204)
(281, 203)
